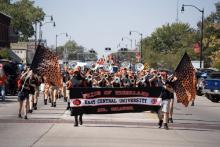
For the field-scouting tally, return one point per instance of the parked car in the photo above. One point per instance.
(212, 87)
(201, 75)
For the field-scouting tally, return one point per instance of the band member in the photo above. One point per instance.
(104, 81)
(172, 79)
(164, 111)
(46, 90)
(32, 85)
(53, 90)
(76, 81)
(24, 91)
(37, 90)
(116, 82)
(66, 77)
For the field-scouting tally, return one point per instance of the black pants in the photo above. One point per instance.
(78, 119)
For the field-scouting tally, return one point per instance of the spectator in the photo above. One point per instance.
(3, 79)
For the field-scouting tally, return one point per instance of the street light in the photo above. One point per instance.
(122, 39)
(119, 45)
(57, 37)
(141, 41)
(51, 17)
(201, 44)
(42, 24)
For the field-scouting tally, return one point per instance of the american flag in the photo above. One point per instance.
(45, 64)
(185, 86)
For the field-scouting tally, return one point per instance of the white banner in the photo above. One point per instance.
(116, 101)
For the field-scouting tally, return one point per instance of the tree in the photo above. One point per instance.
(168, 43)
(71, 48)
(215, 57)
(4, 54)
(24, 14)
(211, 40)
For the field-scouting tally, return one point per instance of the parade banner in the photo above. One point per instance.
(114, 100)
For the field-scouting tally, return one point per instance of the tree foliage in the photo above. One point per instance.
(167, 44)
(72, 49)
(24, 14)
(215, 57)
(4, 54)
(211, 32)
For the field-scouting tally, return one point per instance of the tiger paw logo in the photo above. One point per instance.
(153, 101)
(76, 102)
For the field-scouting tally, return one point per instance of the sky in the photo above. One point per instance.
(97, 24)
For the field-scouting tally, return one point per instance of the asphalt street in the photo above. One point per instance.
(197, 126)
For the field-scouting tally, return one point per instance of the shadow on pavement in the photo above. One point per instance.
(198, 120)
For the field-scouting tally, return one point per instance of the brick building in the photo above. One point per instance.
(5, 21)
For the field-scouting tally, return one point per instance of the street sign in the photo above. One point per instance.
(196, 48)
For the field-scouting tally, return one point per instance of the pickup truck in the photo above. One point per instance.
(212, 87)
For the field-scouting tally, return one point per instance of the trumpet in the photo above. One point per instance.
(132, 81)
(142, 79)
(89, 78)
(106, 76)
(117, 80)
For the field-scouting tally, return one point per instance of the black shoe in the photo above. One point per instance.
(192, 104)
(80, 120)
(76, 121)
(68, 106)
(49, 100)
(19, 116)
(170, 120)
(25, 117)
(30, 111)
(166, 126)
(160, 123)
(65, 99)
(54, 104)
(35, 106)
(45, 101)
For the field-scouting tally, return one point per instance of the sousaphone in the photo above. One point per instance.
(107, 67)
(125, 64)
(139, 66)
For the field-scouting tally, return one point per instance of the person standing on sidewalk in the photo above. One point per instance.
(3, 79)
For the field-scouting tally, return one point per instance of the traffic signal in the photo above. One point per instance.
(107, 48)
(92, 51)
(124, 49)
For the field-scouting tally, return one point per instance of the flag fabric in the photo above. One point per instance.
(185, 86)
(45, 64)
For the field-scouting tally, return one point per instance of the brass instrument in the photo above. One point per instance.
(117, 80)
(126, 64)
(107, 67)
(139, 67)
